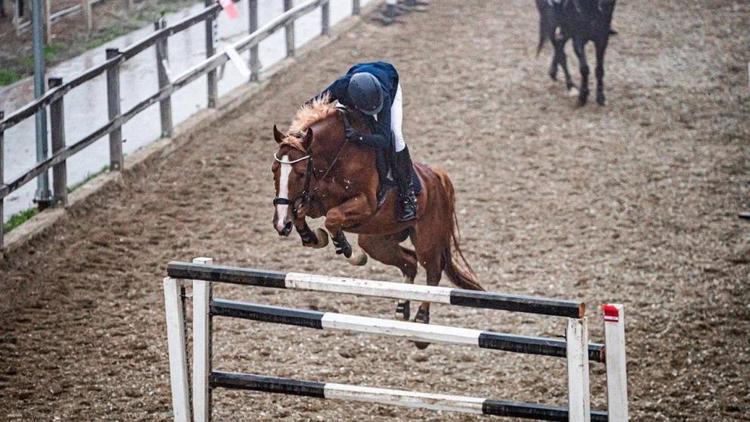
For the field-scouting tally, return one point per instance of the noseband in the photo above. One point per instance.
(304, 197)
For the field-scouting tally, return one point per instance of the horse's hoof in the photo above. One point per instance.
(403, 310)
(572, 91)
(424, 318)
(601, 100)
(421, 345)
(322, 236)
(357, 258)
(582, 100)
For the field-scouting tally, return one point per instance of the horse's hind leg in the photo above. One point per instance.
(434, 269)
(387, 250)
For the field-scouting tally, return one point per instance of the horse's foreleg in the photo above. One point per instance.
(312, 239)
(350, 213)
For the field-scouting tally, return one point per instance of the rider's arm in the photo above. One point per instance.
(336, 91)
(382, 137)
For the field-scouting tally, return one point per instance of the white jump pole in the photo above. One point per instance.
(579, 402)
(617, 382)
(177, 351)
(201, 346)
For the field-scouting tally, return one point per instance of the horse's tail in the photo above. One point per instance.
(464, 278)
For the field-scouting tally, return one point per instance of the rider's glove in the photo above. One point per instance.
(352, 134)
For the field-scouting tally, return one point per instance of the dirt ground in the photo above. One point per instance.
(634, 202)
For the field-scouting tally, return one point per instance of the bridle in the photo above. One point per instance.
(304, 198)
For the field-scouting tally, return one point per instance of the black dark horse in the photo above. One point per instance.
(582, 21)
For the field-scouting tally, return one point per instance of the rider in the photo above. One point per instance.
(373, 89)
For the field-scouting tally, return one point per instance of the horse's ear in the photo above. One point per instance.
(307, 141)
(277, 135)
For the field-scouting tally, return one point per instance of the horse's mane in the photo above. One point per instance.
(311, 113)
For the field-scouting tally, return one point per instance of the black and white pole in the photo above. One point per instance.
(575, 347)
(411, 399)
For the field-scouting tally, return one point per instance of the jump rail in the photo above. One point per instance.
(115, 58)
(575, 348)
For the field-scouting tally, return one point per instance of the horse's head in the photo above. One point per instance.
(291, 174)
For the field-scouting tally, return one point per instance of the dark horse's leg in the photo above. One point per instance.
(563, 61)
(578, 46)
(387, 250)
(601, 48)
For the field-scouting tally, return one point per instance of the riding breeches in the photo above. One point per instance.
(397, 110)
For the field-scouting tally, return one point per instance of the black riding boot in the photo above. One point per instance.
(407, 200)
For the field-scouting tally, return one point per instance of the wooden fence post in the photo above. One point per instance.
(2, 180)
(86, 10)
(18, 15)
(289, 30)
(113, 108)
(162, 58)
(325, 18)
(356, 7)
(59, 171)
(211, 29)
(254, 59)
(47, 21)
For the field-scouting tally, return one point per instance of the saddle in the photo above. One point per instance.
(384, 159)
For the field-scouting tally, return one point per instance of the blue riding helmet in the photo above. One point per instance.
(365, 91)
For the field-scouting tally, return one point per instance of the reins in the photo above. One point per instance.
(304, 198)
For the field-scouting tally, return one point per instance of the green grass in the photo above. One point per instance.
(8, 76)
(106, 35)
(25, 215)
(19, 218)
(88, 177)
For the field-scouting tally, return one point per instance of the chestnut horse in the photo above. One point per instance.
(317, 173)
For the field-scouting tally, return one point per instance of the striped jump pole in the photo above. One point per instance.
(411, 399)
(409, 330)
(312, 282)
(575, 347)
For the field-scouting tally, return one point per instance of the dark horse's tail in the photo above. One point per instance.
(464, 278)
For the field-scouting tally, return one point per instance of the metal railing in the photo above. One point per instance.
(111, 67)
